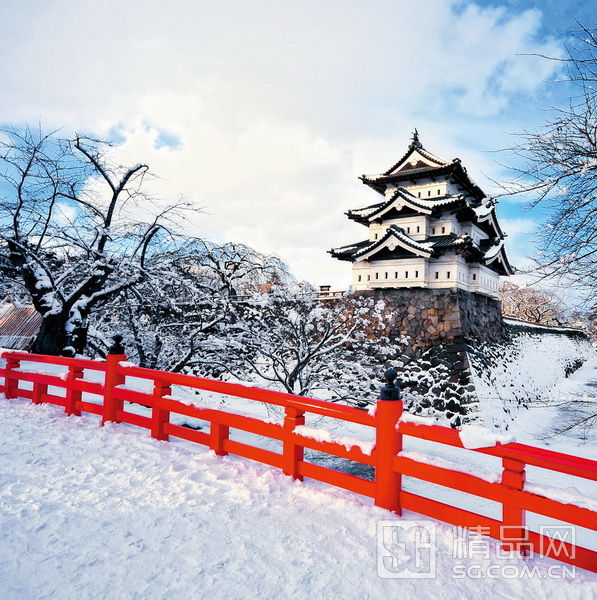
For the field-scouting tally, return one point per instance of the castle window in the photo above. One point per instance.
(360, 276)
(416, 274)
(429, 192)
(433, 230)
(406, 274)
(376, 236)
(408, 230)
(447, 274)
(474, 276)
(437, 274)
(443, 230)
(418, 194)
(418, 229)
(396, 275)
(368, 277)
(386, 274)
(376, 275)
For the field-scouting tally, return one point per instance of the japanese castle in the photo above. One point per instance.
(434, 228)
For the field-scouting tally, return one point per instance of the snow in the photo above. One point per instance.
(322, 435)
(494, 250)
(410, 418)
(531, 370)
(569, 495)
(431, 459)
(546, 328)
(485, 209)
(90, 512)
(475, 436)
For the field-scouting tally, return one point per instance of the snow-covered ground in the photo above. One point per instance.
(89, 512)
(530, 371)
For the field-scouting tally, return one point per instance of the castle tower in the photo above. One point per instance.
(434, 228)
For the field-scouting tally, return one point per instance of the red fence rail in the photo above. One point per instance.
(386, 489)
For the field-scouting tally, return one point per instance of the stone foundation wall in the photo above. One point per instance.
(458, 347)
(441, 325)
(437, 317)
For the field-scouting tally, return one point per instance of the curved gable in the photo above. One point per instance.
(394, 239)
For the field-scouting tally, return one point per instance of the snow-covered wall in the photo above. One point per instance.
(526, 370)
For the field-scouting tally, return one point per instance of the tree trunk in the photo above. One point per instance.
(53, 338)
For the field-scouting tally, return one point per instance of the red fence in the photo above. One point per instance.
(385, 458)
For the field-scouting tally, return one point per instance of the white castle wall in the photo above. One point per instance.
(448, 271)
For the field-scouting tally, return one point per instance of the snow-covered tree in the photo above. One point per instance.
(291, 340)
(532, 304)
(187, 300)
(75, 230)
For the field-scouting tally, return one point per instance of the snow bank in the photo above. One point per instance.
(90, 512)
(528, 370)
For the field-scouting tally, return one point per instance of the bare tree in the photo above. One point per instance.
(532, 304)
(576, 418)
(290, 340)
(557, 165)
(75, 229)
(188, 299)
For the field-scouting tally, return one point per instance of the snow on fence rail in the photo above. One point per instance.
(385, 457)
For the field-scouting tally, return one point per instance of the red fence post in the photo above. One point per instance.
(73, 397)
(513, 518)
(39, 389)
(11, 382)
(292, 453)
(388, 443)
(217, 434)
(159, 416)
(113, 379)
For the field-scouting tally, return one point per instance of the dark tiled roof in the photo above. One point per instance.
(347, 252)
(353, 251)
(416, 145)
(350, 249)
(19, 325)
(364, 214)
(453, 169)
(436, 244)
(445, 241)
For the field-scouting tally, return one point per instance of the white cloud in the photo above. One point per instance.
(275, 106)
(519, 245)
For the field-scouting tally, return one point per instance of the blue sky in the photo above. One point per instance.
(263, 114)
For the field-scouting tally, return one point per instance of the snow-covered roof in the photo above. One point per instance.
(493, 251)
(400, 198)
(497, 258)
(419, 163)
(470, 206)
(395, 237)
(486, 207)
(416, 157)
